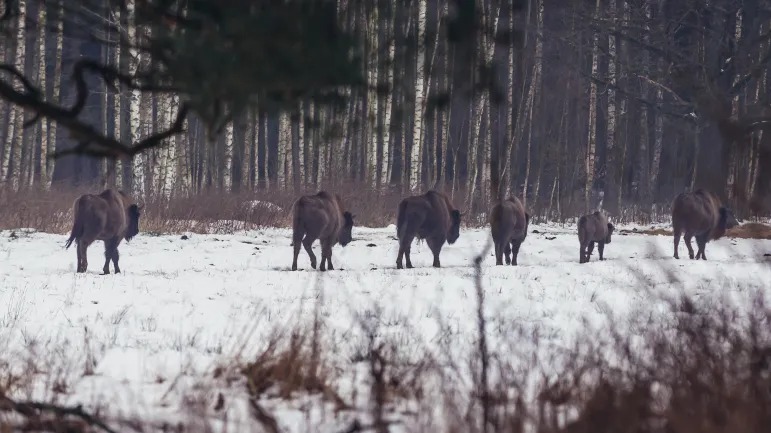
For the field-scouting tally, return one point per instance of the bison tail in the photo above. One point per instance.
(77, 225)
(401, 221)
(582, 228)
(297, 223)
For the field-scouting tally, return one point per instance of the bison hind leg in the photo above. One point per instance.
(326, 255)
(589, 250)
(601, 249)
(687, 240)
(110, 254)
(582, 257)
(83, 245)
(297, 242)
(701, 242)
(404, 251)
(308, 245)
(677, 233)
(435, 244)
(514, 252)
(507, 252)
(499, 253)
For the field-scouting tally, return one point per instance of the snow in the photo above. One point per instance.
(148, 343)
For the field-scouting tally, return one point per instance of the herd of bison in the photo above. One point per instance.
(113, 216)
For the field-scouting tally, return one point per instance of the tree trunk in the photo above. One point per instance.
(416, 157)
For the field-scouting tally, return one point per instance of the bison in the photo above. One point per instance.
(508, 226)
(320, 216)
(430, 216)
(110, 217)
(699, 214)
(592, 228)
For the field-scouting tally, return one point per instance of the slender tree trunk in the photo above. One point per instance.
(284, 141)
(52, 137)
(733, 155)
(387, 158)
(610, 131)
(534, 93)
(592, 138)
(416, 158)
(139, 162)
(15, 140)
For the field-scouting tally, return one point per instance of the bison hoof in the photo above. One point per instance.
(409, 266)
(313, 265)
(399, 266)
(294, 267)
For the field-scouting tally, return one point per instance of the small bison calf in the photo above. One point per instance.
(508, 226)
(593, 228)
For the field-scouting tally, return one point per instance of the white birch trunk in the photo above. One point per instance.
(535, 89)
(416, 156)
(42, 22)
(170, 167)
(117, 129)
(161, 161)
(592, 138)
(474, 141)
(227, 174)
(301, 146)
(265, 148)
(733, 155)
(52, 137)
(387, 159)
(246, 156)
(284, 139)
(14, 141)
(372, 102)
(139, 162)
(610, 135)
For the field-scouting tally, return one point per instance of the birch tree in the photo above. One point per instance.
(135, 127)
(592, 138)
(416, 156)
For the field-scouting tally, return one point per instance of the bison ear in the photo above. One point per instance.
(527, 217)
(723, 213)
(610, 227)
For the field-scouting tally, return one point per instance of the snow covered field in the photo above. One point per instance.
(148, 342)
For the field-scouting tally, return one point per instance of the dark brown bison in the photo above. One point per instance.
(508, 226)
(430, 216)
(699, 214)
(110, 217)
(320, 216)
(593, 228)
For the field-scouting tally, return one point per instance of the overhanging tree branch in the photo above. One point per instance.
(91, 141)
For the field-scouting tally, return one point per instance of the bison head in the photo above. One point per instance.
(610, 232)
(454, 232)
(133, 222)
(346, 235)
(727, 219)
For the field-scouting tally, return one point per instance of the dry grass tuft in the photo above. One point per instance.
(284, 373)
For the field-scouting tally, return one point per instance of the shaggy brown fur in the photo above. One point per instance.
(699, 214)
(321, 216)
(110, 217)
(508, 226)
(430, 216)
(593, 228)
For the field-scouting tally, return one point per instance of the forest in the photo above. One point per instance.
(625, 101)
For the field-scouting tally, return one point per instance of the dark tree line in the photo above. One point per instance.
(559, 102)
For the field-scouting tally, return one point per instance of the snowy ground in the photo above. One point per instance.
(146, 343)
